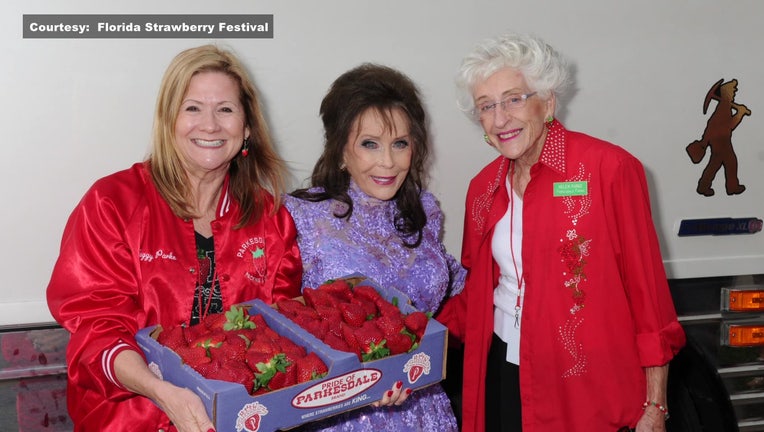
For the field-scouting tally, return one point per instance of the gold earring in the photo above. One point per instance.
(487, 139)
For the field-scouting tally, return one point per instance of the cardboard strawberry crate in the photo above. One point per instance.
(349, 384)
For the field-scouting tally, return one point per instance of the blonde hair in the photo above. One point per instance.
(262, 172)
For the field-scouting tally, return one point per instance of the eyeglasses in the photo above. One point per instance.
(512, 102)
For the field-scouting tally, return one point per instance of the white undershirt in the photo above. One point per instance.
(505, 294)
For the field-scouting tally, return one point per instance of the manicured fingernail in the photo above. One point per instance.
(389, 393)
(399, 384)
(408, 392)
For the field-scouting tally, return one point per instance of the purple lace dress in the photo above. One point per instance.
(368, 244)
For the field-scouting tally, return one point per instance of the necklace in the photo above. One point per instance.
(518, 277)
(206, 299)
(204, 310)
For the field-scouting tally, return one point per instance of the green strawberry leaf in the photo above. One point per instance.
(375, 351)
(277, 363)
(237, 319)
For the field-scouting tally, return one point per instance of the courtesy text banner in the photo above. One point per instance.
(148, 26)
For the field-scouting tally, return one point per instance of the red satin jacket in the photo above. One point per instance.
(128, 262)
(597, 307)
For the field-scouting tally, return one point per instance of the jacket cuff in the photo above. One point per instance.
(107, 361)
(658, 348)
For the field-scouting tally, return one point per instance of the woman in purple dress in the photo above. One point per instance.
(367, 212)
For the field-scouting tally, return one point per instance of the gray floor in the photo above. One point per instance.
(33, 380)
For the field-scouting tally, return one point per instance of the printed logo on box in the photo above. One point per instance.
(154, 368)
(250, 416)
(416, 367)
(337, 389)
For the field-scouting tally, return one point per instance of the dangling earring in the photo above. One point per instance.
(549, 119)
(343, 166)
(245, 148)
(487, 139)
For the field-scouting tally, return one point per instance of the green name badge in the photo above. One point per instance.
(576, 188)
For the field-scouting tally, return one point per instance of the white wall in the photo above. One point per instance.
(75, 110)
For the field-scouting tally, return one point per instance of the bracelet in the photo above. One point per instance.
(660, 407)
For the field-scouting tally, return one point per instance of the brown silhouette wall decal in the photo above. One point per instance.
(718, 136)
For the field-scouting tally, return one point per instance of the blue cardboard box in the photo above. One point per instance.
(350, 384)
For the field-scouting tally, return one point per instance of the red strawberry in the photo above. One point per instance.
(208, 368)
(328, 313)
(387, 308)
(233, 348)
(290, 307)
(277, 382)
(267, 332)
(290, 349)
(291, 374)
(367, 292)
(371, 341)
(209, 340)
(192, 355)
(172, 337)
(214, 321)
(399, 342)
(390, 324)
(247, 335)
(310, 367)
(265, 371)
(348, 335)
(254, 357)
(240, 337)
(337, 288)
(369, 308)
(258, 320)
(265, 345)
(352, 314)
(234, 371)
(302, 320)
(337, 342)
(194, 332)
(334, 326)
(316, 327)
(283, 379)
(307, 312)
(416, 322)
(315, 297)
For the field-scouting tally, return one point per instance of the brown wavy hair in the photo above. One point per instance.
(382, 89)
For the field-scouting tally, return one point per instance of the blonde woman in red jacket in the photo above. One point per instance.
(566, 316)
(189, 232)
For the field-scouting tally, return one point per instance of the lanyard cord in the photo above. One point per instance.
(204, 310)
(205, 257)
(518, 277)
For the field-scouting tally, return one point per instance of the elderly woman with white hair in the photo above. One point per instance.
(566, 315)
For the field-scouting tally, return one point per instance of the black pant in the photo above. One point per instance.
(502, 391)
